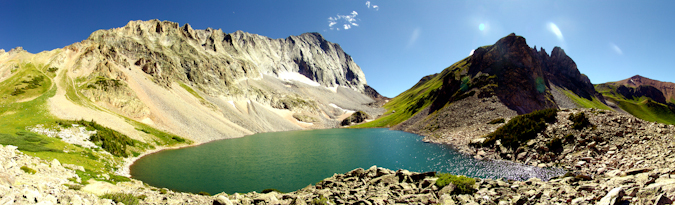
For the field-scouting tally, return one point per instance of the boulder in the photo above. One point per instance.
(613, 197)
(222, 200)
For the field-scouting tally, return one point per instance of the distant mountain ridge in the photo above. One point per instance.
(642, 97)
(667, 88)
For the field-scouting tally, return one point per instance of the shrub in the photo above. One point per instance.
(163, 191)
(463, 184)
(555, 144)
(579, 121)
(569, 138)
(128, 199)
(497, 121)
(52, 69)
(73, 186)
(118, 178)
(203, 193)
(264, 191)
(521, 128)
(28, 170)
(320, 201)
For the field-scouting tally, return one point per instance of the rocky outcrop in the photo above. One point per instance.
(356, 117)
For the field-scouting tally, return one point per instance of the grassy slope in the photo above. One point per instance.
(16, 116)
(585, 103)
(643, 108)
(413, 100)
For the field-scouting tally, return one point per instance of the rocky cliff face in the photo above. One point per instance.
(524, 75)
(212, 59)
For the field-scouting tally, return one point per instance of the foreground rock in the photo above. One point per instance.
(50, 184)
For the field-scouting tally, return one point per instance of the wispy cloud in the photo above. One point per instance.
(346, 21)
(556, 31)
(616, 48)
(369, 5)
(414, 36)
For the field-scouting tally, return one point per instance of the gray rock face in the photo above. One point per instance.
(213, 59)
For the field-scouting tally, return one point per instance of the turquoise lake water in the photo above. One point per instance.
(289, 161)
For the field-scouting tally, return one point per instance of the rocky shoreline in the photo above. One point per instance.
(620, 160)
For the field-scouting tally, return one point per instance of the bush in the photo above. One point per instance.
(264, 191)
(579, 121)
(320, 201)
(555, 144)
(28, 170)
(73, 186)
(163, 191)
(117, 178)
(463, 184)
(52, 69)
(128, 199)
(569, 138)
(203, 193)
(521, 128)
(497, 121)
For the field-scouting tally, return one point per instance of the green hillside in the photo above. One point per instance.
(415, 99)
(586, 103)
(24, 104)
(641, 107)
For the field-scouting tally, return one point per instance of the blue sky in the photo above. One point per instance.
(394, 42)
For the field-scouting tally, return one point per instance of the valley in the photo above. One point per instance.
(73, 120)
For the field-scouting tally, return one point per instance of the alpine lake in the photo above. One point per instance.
(288, 161)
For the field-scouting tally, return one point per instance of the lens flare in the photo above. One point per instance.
(481, 27)
(554, 28)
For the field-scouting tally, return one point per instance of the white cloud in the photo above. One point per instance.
(413, 38)
(347, 21)
(556, 31)
(616, 48)
(471, 53)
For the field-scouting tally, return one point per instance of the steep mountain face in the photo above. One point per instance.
(497, 81)
(201, 84)
(642, 97)
(212, 59)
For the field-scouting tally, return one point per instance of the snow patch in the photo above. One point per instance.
(333, 89)
(338, 107)
(306, 123)
(289, 76)
(232, 103)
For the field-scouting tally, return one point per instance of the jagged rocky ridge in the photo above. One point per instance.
(212, 59)
(501, 80)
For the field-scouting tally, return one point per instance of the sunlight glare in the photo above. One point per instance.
(554, 28)
(481, 27)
